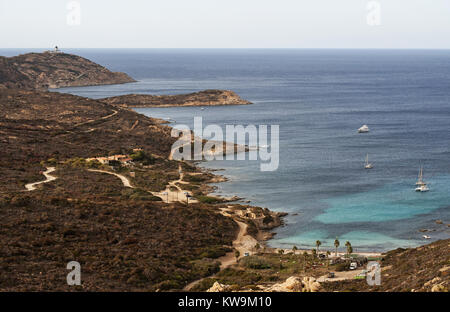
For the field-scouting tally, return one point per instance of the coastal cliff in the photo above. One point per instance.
(55, 70)
(202, 98)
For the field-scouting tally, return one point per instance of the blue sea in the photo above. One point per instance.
(319, 98)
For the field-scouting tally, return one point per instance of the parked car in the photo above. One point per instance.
(331, 275)
(353, 266)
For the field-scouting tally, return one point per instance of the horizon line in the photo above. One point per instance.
(261, 48)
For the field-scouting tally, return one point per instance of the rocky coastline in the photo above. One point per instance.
(202, 98)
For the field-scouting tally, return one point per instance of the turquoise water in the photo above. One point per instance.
(394, 201)
(367, 240)
(319, 98)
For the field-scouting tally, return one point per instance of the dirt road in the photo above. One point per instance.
(48, 178)
(124, 179)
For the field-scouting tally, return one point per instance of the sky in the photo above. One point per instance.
(383, 24)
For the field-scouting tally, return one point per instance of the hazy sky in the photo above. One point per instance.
(225, 24)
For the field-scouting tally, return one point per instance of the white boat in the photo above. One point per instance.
(422, 188)
(420, 180)
(421, 184)
(426, 237)
(368, 165)
(363, 129)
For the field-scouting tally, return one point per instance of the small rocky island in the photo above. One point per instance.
(202, 98)
(55, 70)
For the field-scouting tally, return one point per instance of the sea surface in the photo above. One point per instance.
(319, 98)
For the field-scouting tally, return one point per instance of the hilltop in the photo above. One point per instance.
(55, 70)
(207, 97)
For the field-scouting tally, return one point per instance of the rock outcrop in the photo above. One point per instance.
(295, 284)
(292, 284)
(202, 98)
(55, 70)
(217, 287)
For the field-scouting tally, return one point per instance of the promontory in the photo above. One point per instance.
(55, 70)
(202, 98)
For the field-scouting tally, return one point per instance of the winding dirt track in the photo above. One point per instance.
(243, 243)
(49, 178)
(171, 196)
(124, 179)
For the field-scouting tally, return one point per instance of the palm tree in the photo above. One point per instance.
(318, 243)
(349, 247)
(336, 245)
(294, 249)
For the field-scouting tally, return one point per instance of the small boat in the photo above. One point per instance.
(367, 164)
(420, 180)
(426, 237)
(363, 129)
(421, 184)
(422, 188)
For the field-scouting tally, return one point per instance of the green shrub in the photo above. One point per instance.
(207, 199)
(143, 157)
(214, 252)
(255, 262)
(204, 284)
(341, 267)
(195, 178)
(169, 284)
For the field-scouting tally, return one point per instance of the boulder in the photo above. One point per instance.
(292, 284)
(217, 287)
(310, 284)
(295, 284)
(438, 288)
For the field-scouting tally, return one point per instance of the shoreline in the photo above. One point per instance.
(265, 235)
(234, 199)
(184, 105)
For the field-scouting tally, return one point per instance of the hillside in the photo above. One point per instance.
(55, 70)
(33, 129)
(207, 98)
(125, 238)
(425, 268)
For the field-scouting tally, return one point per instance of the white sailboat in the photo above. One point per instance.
(421, 184)
(420, 179)
(363, 129)
(367, 164)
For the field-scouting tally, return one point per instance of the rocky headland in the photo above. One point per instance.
(55, 70)
(202, 98)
